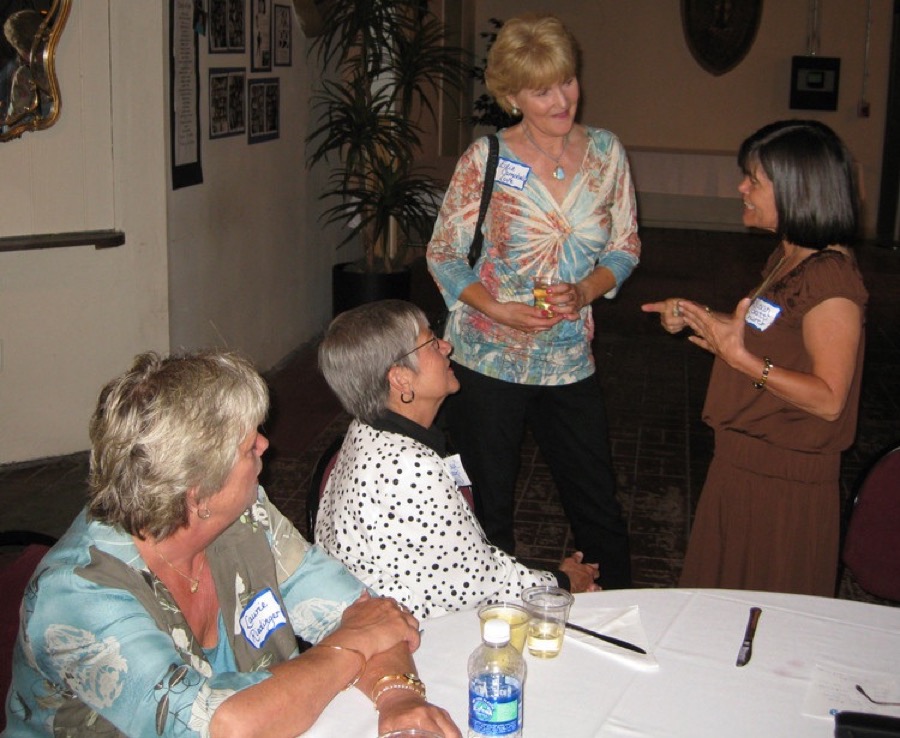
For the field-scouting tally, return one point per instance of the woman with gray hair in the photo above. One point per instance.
(392, 510)
(173, 604)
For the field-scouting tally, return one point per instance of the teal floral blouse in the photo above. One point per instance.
(104, 650)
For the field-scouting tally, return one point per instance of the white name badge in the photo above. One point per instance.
(261, 618)
(762, 314)
(454, 463)
(512, 173)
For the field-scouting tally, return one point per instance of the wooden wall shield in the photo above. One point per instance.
(719, 33)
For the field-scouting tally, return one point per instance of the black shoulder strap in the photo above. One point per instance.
(490, 171)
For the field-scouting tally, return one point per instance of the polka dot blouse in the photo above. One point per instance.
(391, 512)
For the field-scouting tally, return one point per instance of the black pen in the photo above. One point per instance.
(608, 639)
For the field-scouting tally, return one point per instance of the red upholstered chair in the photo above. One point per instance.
(872, 541)
(14, 577)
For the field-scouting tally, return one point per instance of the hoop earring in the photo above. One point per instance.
(203, 514)
(412, 396)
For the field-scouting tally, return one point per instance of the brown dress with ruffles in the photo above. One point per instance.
(769, 513)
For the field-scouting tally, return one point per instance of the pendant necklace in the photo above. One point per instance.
(558, 173)
(195, 583)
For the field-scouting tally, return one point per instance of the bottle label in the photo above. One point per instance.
(495, 705)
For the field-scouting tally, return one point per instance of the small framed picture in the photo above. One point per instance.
(227, 102)
(265, 103)
(282, 29)
(814, 82)
(227, 27)
(261, 36)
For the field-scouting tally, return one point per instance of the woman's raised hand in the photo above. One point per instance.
(671, 317)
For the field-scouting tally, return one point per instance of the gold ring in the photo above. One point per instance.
(676, 312)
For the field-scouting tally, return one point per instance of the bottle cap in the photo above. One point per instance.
(496, 632)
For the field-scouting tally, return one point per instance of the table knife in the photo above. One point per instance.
(746, 650)
(606, 638)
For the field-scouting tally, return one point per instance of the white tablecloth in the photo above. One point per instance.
(697, 690)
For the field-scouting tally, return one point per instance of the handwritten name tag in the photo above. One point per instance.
(512, 173)
(454, 463)
(261, 618)
(762, 314)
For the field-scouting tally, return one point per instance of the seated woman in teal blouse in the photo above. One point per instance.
(173, 604)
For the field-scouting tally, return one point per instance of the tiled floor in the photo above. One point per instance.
(654, 383)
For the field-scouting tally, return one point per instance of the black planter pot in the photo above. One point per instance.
(350, 287)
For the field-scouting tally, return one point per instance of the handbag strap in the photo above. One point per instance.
(489, 172)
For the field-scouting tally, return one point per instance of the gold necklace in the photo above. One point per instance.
(559, 172)
(195, 583)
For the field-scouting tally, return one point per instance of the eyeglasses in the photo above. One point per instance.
(433, 339)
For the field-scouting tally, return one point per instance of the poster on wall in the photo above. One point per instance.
(227, 27)
(281, 35)
(227, 102)
(264, 99)
(261, 36)
(184, 95)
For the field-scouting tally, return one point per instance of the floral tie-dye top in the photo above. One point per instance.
(98, 659)
(527, 232)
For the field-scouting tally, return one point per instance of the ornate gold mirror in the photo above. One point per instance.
(29, 92)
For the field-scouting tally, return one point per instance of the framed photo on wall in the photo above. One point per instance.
(261, 35)
(227, 27)
(281, 35)
(265, 108)
(227, 102)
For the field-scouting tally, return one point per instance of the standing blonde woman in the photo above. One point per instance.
(563, 207)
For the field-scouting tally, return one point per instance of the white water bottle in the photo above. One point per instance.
(496, 684)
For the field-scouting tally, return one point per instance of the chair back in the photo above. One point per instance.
(14, 578)
(317, 482)
(870, 548)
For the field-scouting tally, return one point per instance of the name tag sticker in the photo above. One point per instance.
(454, 463)
(512, 173)
(762, 314)
(262, 617)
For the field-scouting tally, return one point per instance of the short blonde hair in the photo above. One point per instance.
(165, 426)
(531, 52)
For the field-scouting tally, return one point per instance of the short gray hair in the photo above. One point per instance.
(359, 348)
(165, 426)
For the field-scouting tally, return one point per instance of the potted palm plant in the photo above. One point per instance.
(383, 64)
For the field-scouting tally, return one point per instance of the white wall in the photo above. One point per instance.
(640, 81)
(249, 265)
(71, 318)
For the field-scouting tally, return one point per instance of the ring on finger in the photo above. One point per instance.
(676, 312)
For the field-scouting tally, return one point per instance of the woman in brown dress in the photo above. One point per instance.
(784, 389)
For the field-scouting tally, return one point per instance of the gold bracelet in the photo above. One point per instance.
(761, 383)
(362, 659)
(401, 681)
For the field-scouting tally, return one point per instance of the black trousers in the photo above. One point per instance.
(486, 421)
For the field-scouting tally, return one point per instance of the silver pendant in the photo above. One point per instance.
(559, 173)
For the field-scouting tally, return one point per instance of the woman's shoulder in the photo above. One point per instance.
(602, 137)
(833, 273)
(363, 438)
